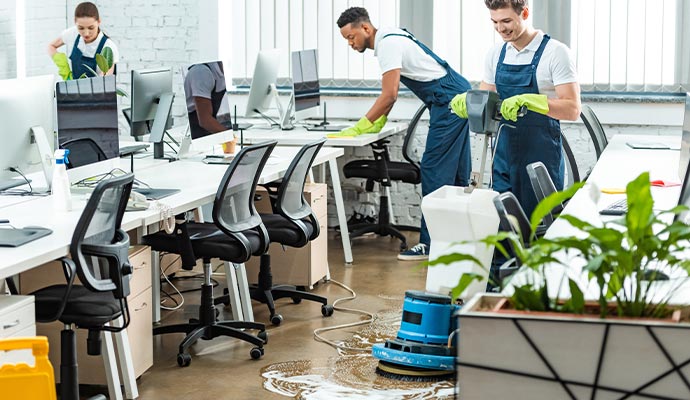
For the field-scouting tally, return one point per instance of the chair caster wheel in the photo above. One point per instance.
(256, 352)
(263, 335)
(276, 319)
(184, 359)
(296, 300)
(327, 310)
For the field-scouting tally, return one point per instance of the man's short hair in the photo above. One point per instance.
(354, 16)
(517, 5)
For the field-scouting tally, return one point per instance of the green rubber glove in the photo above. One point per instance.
(378, 124)
(534, 102)
(459, 105)
(60, 59)
(362, 126)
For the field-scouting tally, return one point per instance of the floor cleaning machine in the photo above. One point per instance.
(424, 348)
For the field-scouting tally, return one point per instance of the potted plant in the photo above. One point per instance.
(541, 339)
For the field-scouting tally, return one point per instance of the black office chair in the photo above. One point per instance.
(293, 224)
(382, 170)
(596, 131)
(543, 186)
(512, 218)
(235, 235)
(82, 152)
(99, 252)
(570, 163)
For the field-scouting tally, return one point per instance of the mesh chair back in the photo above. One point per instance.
(99, 247)
(82, 152)
(233, 208)
(570, 163)
(543, 186)
(596, 131)
(411, 145)
(291, 202)
(512, 217)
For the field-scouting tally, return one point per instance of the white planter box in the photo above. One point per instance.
(558, 356)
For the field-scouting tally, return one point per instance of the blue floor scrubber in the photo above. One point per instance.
(424, 348)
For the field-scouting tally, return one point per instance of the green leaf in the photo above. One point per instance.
(454, 257)
(90, 70)
(102, 63)
(121, 92)
(640, 204)
(465, 280)
(526, 298)
(577, 298)
(549, 203)
(107, 53)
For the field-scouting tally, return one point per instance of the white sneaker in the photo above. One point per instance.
(417, 253)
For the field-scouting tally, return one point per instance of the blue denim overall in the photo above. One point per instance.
(536, 137)
(446, 159)
(78, 59)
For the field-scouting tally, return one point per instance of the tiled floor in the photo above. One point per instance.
(222, 368)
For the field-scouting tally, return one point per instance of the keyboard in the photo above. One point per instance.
(126, 150)
(619, 207)
(155, 193)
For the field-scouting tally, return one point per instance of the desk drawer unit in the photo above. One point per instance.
(302, 266)
(17, 319)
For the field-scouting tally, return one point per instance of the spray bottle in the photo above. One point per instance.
(62, 198)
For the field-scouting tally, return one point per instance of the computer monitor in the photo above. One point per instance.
(305, 84)
(87, 108)
(684, 162)
(263, 88)
(208, 79)
(152, 98)
(27, 113)
(685, 141)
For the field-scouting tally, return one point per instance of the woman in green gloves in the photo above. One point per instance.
(83, 42)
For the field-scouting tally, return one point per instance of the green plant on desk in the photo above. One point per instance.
(104, 60)
(621, 257)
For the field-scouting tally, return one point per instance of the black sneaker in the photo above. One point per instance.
(420, 252)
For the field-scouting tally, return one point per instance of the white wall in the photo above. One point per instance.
(8, 60)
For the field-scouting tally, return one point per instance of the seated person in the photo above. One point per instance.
(204, 87)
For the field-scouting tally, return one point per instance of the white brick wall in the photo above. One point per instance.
(8, 59)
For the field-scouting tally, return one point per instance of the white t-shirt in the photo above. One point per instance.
(69, 35)
(202, 81)
(397, 52)
(556, 67)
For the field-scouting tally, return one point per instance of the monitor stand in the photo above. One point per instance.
(284, 115)
(159, 122)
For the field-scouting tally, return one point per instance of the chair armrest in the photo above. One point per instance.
(69, 268)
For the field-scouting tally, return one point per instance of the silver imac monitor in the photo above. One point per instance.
(263, 88)
(684, 160)
(152, 98)
(683, 169)
(87, 109)
(305, 84)
(27, 113)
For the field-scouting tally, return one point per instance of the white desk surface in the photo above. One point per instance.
(618, 165)
(300, 135)
(182, 174)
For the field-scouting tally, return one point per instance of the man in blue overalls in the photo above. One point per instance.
(533, 70)
(446, 159)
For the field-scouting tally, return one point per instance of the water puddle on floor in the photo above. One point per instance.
(351, 375)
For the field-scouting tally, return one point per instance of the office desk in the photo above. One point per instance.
(618, 165)
(300, 136)
(181, 174)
